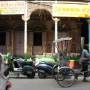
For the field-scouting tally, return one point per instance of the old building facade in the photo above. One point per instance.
(40, 30)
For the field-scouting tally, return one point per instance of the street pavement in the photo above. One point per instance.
(46, 84)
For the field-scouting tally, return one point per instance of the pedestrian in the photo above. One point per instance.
(85, 56)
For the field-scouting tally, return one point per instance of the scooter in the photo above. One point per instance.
(20, 66)
(45, 69)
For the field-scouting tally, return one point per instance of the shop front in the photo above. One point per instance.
(33, 30)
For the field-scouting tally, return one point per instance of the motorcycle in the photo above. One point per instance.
(45, 69)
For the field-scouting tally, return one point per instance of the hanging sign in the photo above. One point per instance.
(71, 10)
(12, 7)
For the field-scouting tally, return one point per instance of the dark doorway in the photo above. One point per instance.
(2, 38)
(84, 30)
(37, 38)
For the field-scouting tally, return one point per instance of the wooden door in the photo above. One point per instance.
(19, 37)
(37, 43)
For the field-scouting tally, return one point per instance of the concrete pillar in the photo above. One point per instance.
(56, 34)
(25, 17)
(89, 33)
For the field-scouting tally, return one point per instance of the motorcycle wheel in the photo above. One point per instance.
(41, 75)
(31, 75)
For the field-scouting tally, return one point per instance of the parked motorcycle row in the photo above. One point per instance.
(30, 67)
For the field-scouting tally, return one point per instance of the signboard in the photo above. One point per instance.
(12, 7)
(71, 10)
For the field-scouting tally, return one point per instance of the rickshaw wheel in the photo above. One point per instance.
(65, 77)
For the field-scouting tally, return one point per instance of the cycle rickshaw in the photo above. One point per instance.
(65, 76)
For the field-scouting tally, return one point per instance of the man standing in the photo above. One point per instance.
(85, 56)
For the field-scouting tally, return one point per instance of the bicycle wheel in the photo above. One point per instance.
(65, 77)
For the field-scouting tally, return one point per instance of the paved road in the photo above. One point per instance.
(46, 84)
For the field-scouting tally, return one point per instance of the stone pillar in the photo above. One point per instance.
(56, 33)
(89, 33)
(25, 17)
